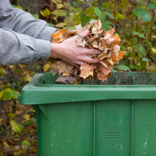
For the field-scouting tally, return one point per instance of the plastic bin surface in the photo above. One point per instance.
(95, 120)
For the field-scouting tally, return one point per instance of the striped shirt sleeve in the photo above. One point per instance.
(22, 49)
(23, 22)
(23, 39)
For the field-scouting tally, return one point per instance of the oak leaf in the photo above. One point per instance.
(65, 67)
(86, 70)
(54, 68)
(104, 70)
(101, 77)
(117, 56)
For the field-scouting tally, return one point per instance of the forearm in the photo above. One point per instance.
(23, 22)
(18, 48)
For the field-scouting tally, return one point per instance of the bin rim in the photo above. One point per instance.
(35, 94)
(37, 83)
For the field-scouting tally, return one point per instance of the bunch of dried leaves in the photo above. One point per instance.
(108, 43)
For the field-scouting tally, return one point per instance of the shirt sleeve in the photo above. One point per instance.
(19, 48)
(23, 22)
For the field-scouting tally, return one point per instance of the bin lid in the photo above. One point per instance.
(44, 90)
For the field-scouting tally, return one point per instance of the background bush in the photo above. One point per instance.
(134, 21)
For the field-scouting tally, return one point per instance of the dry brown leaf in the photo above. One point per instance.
(101, 77)
(54, 68)
(65, 67)
(65, 79)
(86, 70)
(94, 44)
(61, 35)
(117, 39)
(92, 38)
(117, 56)
(116, 48)
(103, 73)
(111, 31)
(80, 41)
(97, 26)
(104, 70)
(110, 62)
(89, 25)
(79, 29)
(105, 56)
(57, 37)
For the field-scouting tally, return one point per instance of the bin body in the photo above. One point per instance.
(94, 120)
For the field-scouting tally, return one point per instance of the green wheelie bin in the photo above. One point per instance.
(116, 118)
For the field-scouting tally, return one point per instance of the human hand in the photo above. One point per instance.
(68, 51)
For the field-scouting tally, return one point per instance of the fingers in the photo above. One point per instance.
(89, 60)
(84, 33)
(90, 51)
(80, 62)
(77, 64)
(83, 56)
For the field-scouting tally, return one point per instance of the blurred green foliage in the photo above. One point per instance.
(134, 21)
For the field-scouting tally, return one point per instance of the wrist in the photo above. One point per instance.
(54, 50)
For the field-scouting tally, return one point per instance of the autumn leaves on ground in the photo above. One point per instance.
(108, 43)
(18, 130)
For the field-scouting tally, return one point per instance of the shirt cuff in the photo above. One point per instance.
(46, 33)
(43, 50)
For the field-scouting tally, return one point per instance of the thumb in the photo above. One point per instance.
(84, 33)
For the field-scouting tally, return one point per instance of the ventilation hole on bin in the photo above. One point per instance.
(112, 135)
